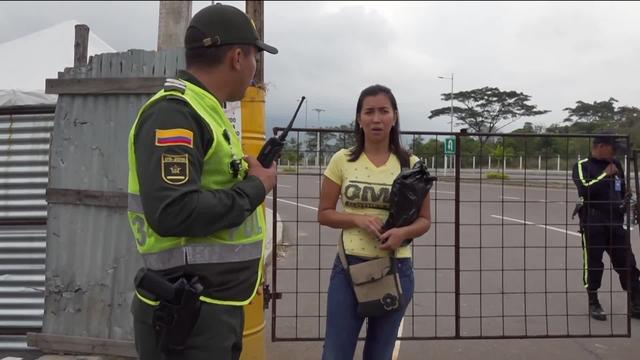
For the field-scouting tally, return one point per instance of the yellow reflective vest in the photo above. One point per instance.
(239, 244)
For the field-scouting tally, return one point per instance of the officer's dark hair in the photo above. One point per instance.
(394, 136)
(208, 56)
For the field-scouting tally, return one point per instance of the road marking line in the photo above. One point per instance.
(445, 192)
(294, 203)
(510, 197)
(570, 189)
(284, 186)
(538, 225)
(396, 348)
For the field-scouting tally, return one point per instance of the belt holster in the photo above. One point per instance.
(174, 320)
(178, 310)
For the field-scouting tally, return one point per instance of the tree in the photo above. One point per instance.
(629, 116)
(590, 118)
(291, 153)
(488, 109)
(327, 143)
(502, 154)
(603, 112)
(416, 146)
(345, 140)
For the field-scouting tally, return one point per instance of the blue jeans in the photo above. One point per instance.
(344, 323)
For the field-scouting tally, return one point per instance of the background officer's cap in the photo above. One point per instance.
(608, 137)
(225, 25)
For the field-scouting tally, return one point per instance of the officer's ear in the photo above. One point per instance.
(236, 54)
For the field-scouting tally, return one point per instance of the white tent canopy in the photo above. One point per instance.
(26, 62)
(21, 97)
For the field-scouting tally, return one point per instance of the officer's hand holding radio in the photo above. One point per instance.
(266, 175)
(610, 170)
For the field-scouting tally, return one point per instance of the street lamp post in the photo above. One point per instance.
(451, 111)
(450, 78)
(318, 110)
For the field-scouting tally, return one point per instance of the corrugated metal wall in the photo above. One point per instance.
(91, 255)
(24, 154)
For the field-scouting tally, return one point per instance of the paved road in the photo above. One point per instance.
(521, 271)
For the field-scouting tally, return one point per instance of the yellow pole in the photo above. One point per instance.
(253, 136)
(252, 140)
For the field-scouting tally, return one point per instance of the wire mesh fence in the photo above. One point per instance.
(503, 257)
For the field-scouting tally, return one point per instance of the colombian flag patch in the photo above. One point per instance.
(172, 137)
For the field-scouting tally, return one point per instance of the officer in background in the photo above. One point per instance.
(194, 198)
(602, 190)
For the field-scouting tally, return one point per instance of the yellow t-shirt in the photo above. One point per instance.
(365, 190)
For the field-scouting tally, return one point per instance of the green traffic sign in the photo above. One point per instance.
(450, 146)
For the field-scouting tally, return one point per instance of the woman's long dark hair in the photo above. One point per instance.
(394, 136)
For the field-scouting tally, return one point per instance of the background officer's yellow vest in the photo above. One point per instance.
(245, 242)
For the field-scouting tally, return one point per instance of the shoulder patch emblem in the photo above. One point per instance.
(175, 169)
(173, 137)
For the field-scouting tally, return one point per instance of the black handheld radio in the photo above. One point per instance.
(271, 150)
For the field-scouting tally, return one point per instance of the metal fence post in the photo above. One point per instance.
(457, 236)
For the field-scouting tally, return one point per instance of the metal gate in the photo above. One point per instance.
(503, 257)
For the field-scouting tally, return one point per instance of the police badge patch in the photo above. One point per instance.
(175, 169)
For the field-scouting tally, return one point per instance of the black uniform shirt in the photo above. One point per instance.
(601, 195)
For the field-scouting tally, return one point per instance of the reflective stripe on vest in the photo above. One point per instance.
(581, 175)
(202, 254)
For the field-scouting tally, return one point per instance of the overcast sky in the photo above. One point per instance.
(556, 52)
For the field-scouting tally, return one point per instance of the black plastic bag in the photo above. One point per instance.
(408, 192)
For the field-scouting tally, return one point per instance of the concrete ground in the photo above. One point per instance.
(520, 257)
(521, 269)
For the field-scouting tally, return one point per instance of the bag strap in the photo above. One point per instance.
(343, 255)
(405, 163)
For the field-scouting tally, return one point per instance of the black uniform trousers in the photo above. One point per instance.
(601, 235)
(216, 335)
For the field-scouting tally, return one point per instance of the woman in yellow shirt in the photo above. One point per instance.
(362, 176)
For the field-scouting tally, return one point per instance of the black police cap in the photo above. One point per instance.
(608, 137)
(225, 25)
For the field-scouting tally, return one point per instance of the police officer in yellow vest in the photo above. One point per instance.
(194, 198)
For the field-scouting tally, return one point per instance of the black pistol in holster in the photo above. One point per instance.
(577, 208)
(629, 200)
(178, 311)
